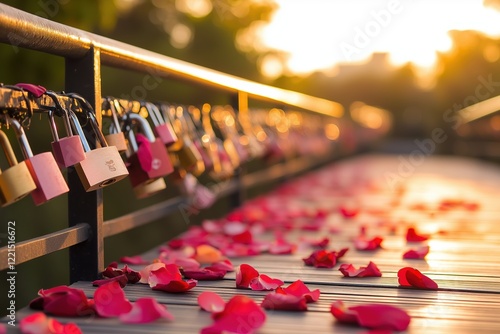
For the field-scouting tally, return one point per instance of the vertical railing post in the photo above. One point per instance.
(238, 100)
(83, 76)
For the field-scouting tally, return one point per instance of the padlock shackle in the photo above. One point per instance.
(21, 137)
(7, 148)
(53, 128)
(154, 113)
(77, 127)
(114, 112)
(144, 125)
(64, 112)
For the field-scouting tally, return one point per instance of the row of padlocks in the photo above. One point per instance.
(143, 141)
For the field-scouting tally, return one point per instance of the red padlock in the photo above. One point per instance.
(156, 161)
(163, 129)
(43, 169)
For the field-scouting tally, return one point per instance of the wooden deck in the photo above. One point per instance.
(464, 256)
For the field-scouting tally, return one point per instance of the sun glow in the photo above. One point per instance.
(318, 35)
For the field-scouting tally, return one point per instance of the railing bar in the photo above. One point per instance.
(37, 247)
(21, 29)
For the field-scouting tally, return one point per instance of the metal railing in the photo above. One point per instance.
(84, 53)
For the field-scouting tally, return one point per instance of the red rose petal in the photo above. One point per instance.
(137, 259)
(241, 315)
(112, 270)
(169, 279)
(222, 265)
(110, 300)
(122, 280)
(349, 211)
(176, 286)
(419, 253)
(321, 259)
(363, 244)
(245, 273)
(278, 301)
(371, 270)
(63, 301)
(146, 310)
(148, 269)
(411, 277)
(211, 302)
(39, 323)
(373, 316)
(413, 236)
(204, 274)
(299, 289)
(264, 282)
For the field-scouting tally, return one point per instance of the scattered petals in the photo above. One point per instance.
(137, 259)
(207, 254)
(299, 289)
(264, 282)
(222, 265)
(324, 259)
(241, 315)
(146, 310)
(121, 279)
(39, 323)
(169, 279)
(316, 243)
(411, 277)
(244, 275)
(63, 301)
(211, 302)
(284, 302)
(363, 244)
(110, 300)
(112, 270)
(204, 274)
(373, 316)
(349, 211)
(413, 236)
(419, 253)
(371, 270)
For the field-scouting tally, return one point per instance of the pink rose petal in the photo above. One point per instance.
(264, 282)
(222, 265)
(411, 277)
(63, 301)
(169, 279)
(241, 315)
(137, 259)
(371, 270)
(364, 244)
(373, 316)
(148, 269)
(204, 274)
(146, 310)
(39, 323)
(419, 253)
(244, 275)
(278, 301)
(110, 300)
(413, 236)
(211, 302)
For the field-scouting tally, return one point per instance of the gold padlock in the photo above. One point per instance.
(16, 181)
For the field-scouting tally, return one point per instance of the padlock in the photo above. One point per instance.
(16, 181)
(102, 166)
(68, 150)
(142, 172)
(150, 187)
(43, 168)
(117, 138)
(189, 156)
(162, 128)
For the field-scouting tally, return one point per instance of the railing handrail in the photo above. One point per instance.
(29, 31)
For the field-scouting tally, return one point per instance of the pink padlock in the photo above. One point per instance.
(162, 128)
(43, 168)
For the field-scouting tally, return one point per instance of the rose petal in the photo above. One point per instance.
(264, 282)
(112, 270)
(204, 274)
(363, 244)
(110, 300)
(371, 270)
(137, 259)
(39, 323)
(148, 269)
(63, 301)
(122, 280)
(321, 259)
(211, 302)
(169, 279)
(413, 236)
(146, 310)
(349, 211)
(207, 254)
(411, 277)
(241, 315)
(299, 289)
(278, 301)
(245, 273)
(373, 316)
(176, 286)
(419, 253)
(222, 265)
